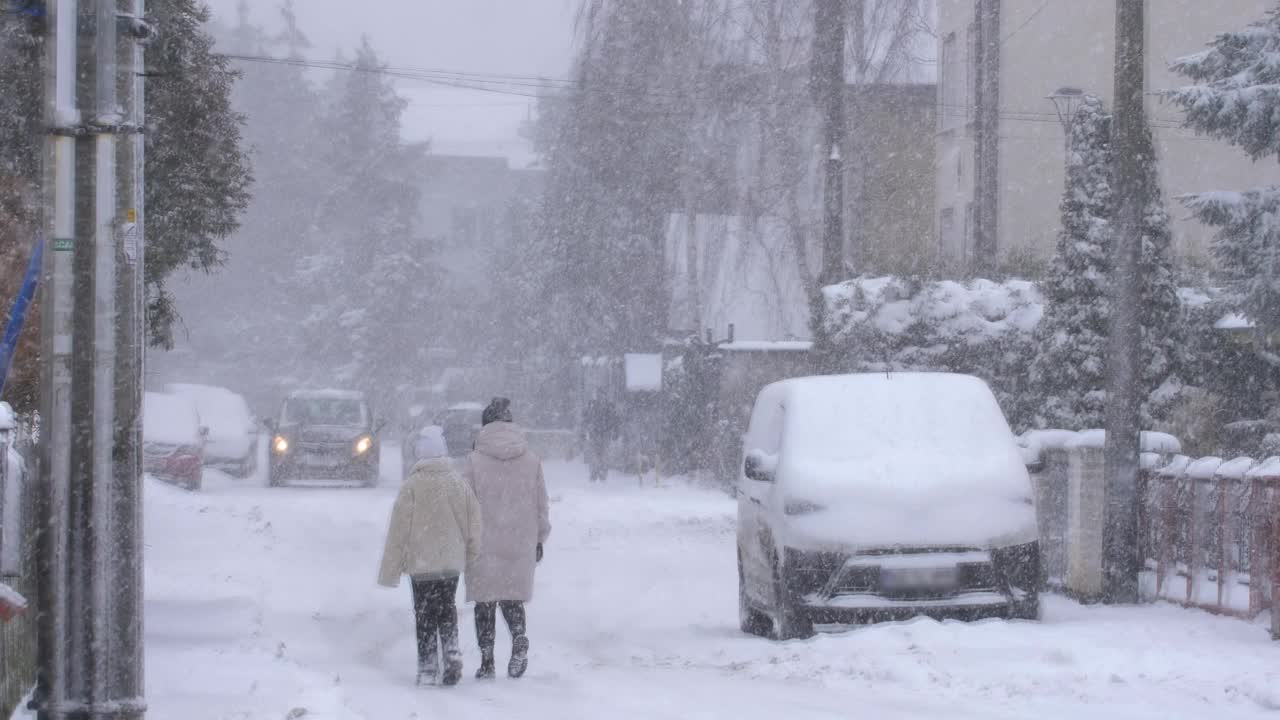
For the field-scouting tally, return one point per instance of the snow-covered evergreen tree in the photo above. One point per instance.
(197, 166)
(1235, 99)
(1068, 375)
(365, 273)
(1163, 327)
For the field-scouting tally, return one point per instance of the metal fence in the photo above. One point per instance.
(1210, 535)
(17, 637)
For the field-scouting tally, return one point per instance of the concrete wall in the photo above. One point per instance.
(1072, 44)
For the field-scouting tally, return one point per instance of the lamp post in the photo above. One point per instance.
(1066, 100)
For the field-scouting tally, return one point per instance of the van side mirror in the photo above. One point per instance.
(759, 466)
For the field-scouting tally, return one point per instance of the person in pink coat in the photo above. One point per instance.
(508, 483)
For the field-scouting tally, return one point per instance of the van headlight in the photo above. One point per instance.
(280, 445)
(363, 445)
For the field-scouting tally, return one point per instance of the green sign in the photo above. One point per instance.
(64, 244)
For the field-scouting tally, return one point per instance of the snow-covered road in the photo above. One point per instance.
(261, 603)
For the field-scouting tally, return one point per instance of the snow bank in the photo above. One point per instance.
(1236, 469)
(170, 419)
(902, 459)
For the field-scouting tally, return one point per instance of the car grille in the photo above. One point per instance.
(864, 575)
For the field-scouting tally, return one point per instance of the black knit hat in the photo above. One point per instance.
(499, 410)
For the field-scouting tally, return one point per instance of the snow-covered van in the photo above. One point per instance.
(882, 496)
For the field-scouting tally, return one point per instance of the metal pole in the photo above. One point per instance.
(106, 122)
(57, 311)
(126, 533)
(1121, 563)
(828, 62)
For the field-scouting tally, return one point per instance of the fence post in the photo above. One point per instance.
(1170, 477)
(1200, 473)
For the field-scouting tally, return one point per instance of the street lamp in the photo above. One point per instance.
(1066, 100)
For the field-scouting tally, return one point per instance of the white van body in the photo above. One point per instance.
(894, 494)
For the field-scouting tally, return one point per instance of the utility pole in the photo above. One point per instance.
(125, 639)
(828, 83)
(1121, 563)
(90, 659)
(986, 116)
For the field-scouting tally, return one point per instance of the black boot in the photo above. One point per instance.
(486, 630)
(515, 617)
(519, 657)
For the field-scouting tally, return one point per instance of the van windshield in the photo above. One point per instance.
(323, 411)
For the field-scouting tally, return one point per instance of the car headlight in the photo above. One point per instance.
(280, 445)
(363, 445)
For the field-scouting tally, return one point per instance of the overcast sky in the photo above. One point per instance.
(513, 37)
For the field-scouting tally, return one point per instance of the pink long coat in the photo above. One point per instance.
(507, 479)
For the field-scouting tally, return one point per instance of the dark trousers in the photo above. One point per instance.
(436, 616)
(487, 622)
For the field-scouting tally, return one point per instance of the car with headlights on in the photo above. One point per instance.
(324, 435)
(865, 498)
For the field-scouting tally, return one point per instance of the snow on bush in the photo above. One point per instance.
(979, 327)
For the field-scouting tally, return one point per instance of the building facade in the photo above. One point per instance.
(1000, 141)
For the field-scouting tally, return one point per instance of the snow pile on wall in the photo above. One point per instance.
(973, 312)
(980, 327)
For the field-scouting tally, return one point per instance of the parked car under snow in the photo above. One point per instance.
(878, 497)
(233, 433)
(173, 439)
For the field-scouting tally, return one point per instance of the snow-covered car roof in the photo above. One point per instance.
(907, 457)
(170, 419)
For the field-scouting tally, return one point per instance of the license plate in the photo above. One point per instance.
(919, 578)
(322, 461)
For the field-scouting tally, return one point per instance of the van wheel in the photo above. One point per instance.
(789, 622)
(752, 621)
